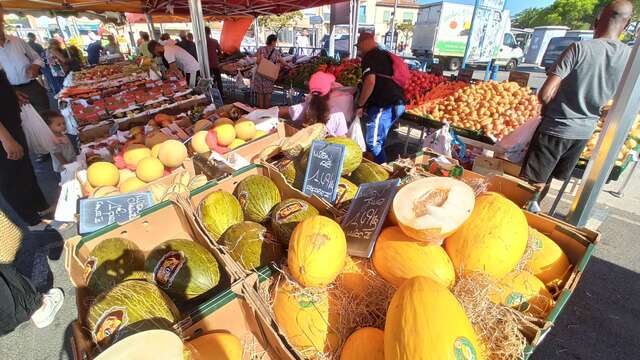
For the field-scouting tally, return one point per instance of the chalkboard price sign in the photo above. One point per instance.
(465, 75)
(521, 78)
(99, 212)
(367, 212)
(323, 170)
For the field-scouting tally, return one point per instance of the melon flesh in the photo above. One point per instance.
(430, 209)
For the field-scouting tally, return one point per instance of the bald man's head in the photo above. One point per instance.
(614, 19)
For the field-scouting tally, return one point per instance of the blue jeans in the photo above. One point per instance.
(379, 122)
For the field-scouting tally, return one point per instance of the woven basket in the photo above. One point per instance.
(10, 239)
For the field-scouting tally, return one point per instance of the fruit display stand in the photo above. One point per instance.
(157, 224)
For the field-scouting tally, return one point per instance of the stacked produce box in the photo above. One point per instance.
(451, 256)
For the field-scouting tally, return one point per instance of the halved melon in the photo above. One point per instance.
(432, 208)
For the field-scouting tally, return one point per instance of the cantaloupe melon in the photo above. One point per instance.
(432, 208)
(317, 251)
(524, 292)
(353, 277)
(245, 129)
(222, 121)
(172, 153)
(225, 133)
(103, 173)
(131, 184)
(548, 262)
(149, 169)
(134, 153)
(425, 321)
(492, 240)
(364, 344)
(199, 143)
(155, 150)
(397, 258)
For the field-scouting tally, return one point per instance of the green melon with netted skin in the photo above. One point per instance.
(346, 192)
(218, 211)
(111, 262)
(128, 308)
(257, 195)
(182, 268)
(287, 214)
(352, 153)
(368, 172)
(251, 245)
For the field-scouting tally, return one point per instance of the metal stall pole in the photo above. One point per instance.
(152, 33)
(356, 26)
(197, 23)
(618, 122)
(392, 28)
(256, 32)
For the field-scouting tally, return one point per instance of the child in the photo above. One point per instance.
(64, 152)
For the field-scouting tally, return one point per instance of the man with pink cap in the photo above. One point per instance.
(328, 102)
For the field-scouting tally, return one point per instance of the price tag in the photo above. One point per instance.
(465, 75)
(323, 170)
(519, 77)
(96, 213)
(367, 213)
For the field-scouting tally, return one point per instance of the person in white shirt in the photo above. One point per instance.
(302, 42)
(177, 60)
(22, 65)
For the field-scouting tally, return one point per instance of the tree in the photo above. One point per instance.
(406, 29)
(528, 18)
(277, 23)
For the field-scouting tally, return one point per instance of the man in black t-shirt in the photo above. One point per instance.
(381, 100)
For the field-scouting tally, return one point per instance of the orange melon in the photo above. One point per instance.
(245, 129)
(149, 169)
(548, 262)
(134, 153)
(364, 344)
(172, 153)
(219, 346)
(524, 292)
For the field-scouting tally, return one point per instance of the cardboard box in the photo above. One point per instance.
(157, 224)
(252, 149)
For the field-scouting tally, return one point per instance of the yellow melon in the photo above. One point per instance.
(172, 153)
(125, 174)
(397, 258)
(524, 292)
(548, 262)
(131, 184)
(155, 150)
(225, 134)
(202, 125)
(364, 344)
(103, 173)
(353, 277)
(199, 143)
(432, 208)
(222, 121)
(317, 251)
(308, 321)
(134, 153)
(425, 321)
(219, 346)
(492, 240)
(236, 142)
(149, 169)
(245, 129)
(103, 191)
(259, 134)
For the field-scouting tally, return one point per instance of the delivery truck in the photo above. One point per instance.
(442, 31)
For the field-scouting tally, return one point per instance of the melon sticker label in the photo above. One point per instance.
(168, 267)
(342, 189)
(464, 350)
(89, 267)
(537, 244)
(108, 325)
(289, 210)
(242, 198)
(518, 301)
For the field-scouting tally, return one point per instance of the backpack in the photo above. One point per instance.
(401, 74)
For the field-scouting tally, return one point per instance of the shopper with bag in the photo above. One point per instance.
(178, 61)
(18, 182)
(22, 66)
(58, 63)
(268, 59)
(381, 99)
(214, 51)
(328, 103)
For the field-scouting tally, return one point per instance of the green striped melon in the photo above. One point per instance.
(129, 308)
(346, 192)
(287, 214)
(368, 172)
(218, 211)
(257, 195)
(110, 263)
(352, 155)
(251, 245)
(182, 268)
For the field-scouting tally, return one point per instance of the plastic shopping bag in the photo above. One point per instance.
(355, 133)
(516, 143)
(440, 141)
(40, 139)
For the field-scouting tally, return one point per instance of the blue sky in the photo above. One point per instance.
(513, 5)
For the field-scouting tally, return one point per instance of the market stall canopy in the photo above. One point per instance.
(219, 8)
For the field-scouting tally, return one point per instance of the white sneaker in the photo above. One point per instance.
(51, 304)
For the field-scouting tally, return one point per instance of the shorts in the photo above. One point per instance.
(551, 156)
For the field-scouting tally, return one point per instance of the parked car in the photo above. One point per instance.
(341, 45)
(555, 48)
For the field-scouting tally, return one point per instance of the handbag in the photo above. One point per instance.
(268, 69)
